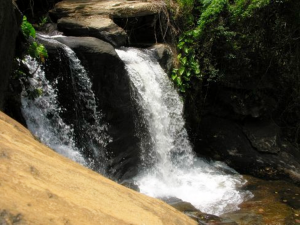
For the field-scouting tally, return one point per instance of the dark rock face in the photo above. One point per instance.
(112, 89)
(9, 27)
(253, 148)
(263, 135)
(142, 31)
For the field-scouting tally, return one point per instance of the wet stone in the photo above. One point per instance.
(290, 197)
(202, 218)
(131, 185)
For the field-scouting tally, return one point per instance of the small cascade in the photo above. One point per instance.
(170, 168)
(83, 139)
(42, 115)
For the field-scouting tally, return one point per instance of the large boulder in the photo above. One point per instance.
(9, 27)
(95, 26)
(111, 86)
(117, 22)
(113, 8)
(39, 186)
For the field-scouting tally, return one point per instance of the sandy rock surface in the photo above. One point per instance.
(39, 186)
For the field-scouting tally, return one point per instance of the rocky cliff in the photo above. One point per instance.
(39, 186)
(9, 26)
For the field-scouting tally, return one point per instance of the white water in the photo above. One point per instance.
(170, 167)
(43, 118)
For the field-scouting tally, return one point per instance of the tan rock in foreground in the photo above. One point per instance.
(39, 186)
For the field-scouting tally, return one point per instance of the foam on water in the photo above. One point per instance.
(170, 168)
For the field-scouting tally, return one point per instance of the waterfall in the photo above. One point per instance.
(170, 168)
(43, 114)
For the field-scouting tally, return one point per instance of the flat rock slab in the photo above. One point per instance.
(95, 17)
(39, 186)
(95, 26)
(111, 8)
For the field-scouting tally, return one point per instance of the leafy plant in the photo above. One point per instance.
(210, 23)
(27, 28)
(43, 21)
(35, 50)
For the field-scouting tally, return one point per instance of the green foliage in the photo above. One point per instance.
(185, 5)
(35, 50)
(212, 21)
(35, 93)
(27, 28)
(43, 21)
(247, 46)
(244, 9)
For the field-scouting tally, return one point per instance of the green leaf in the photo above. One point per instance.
(181, 70)
(32, 50)
(174, 76)
(35, 93)
(196, 33)
(181, 44)
(37, 51)
(27, 28)
(197, 71)
(178, 81)
(186, 50)
(182, 89)
(183, 60)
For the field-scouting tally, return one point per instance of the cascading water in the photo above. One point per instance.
(170, 167)
(43, 114)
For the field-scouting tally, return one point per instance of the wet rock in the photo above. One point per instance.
(171, 200)
(263, 135)
(112, 89)
(49, 29)
(165, 56)
(225, 140)
(130, 184)
(290, 196)
(200, 217)
(184, 206)
(94, 26)
(10, 20)
(269, 204)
